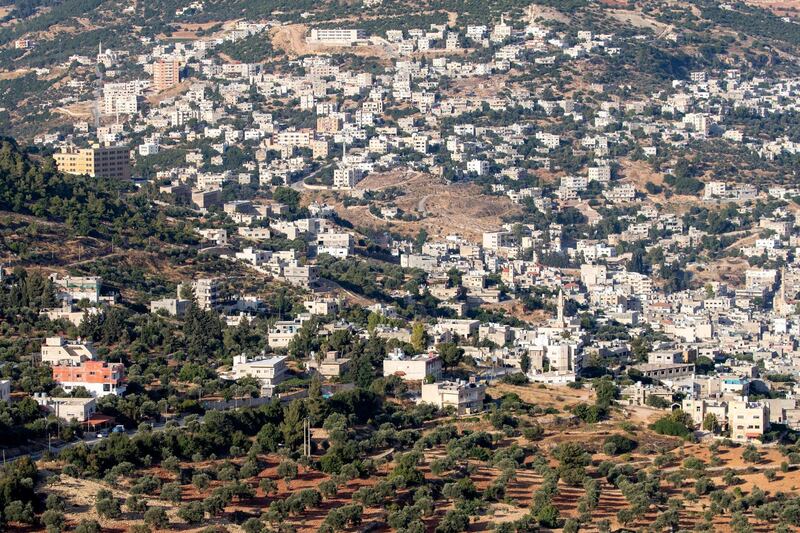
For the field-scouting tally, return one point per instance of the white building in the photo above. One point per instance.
(415, 368)
(60, 351)
(747, 420)
(478, 166)
(282, 333)
(337, 36)
(76, 288)
(269, 371)
(464, 397)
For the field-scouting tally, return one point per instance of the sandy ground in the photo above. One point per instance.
(79, 111)
(730, 270)
(637, 19)
(179, 89)
(544, 395)
(540, 13)
(292, 40)
(480, 87)
(14, 74)
(779, 7)
(445, 209)
(639, 173)
(515, 308)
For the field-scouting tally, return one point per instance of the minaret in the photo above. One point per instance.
(779, 303)
(560, 307)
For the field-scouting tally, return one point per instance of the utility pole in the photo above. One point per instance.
(306, 437)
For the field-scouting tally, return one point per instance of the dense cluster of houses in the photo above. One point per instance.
(747, 330)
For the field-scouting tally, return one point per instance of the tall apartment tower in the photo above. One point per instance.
(97, 161)
(206, 292)
(166, 74)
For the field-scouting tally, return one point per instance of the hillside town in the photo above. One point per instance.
(354, 231)
(742, 331)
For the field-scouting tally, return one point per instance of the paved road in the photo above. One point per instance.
(421, 205)
(90, 439)
(300, 184)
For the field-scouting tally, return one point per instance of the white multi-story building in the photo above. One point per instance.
(100, 378)
(60, 351)
(205, 291)
(478, 166)
(76, 288)
(121, 98)
(337, 36)
(463, 397)
(269, 371)
(415, 368)
(346, 178)
(747, 420)
(494, 240)
(335, 244)
(282, 333)
(601, 174)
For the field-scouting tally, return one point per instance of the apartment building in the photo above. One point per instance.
(255, 234)
(299, 138)
(121, 98)
(346, 177)
(206, 292)
(203, 199)
(492, 240)
(166, 74)
(335, 244)
(282, 333)
(664, 371)
(97, 161)
(320, 148)
(269, 371)
(601, 174)
(60, 351)
(71, 289)
(301, 275)
(321, 306)
(331, 365)
(415, 368)
(100, 378)
(463, 397)
(337, 36)
(747, 420)
(171, 306)
(698, 409)
(67, 408)
(478, 166)
(461, 327)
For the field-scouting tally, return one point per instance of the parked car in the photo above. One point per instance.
(119, 428)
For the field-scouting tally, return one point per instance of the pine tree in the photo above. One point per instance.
(292, 425)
